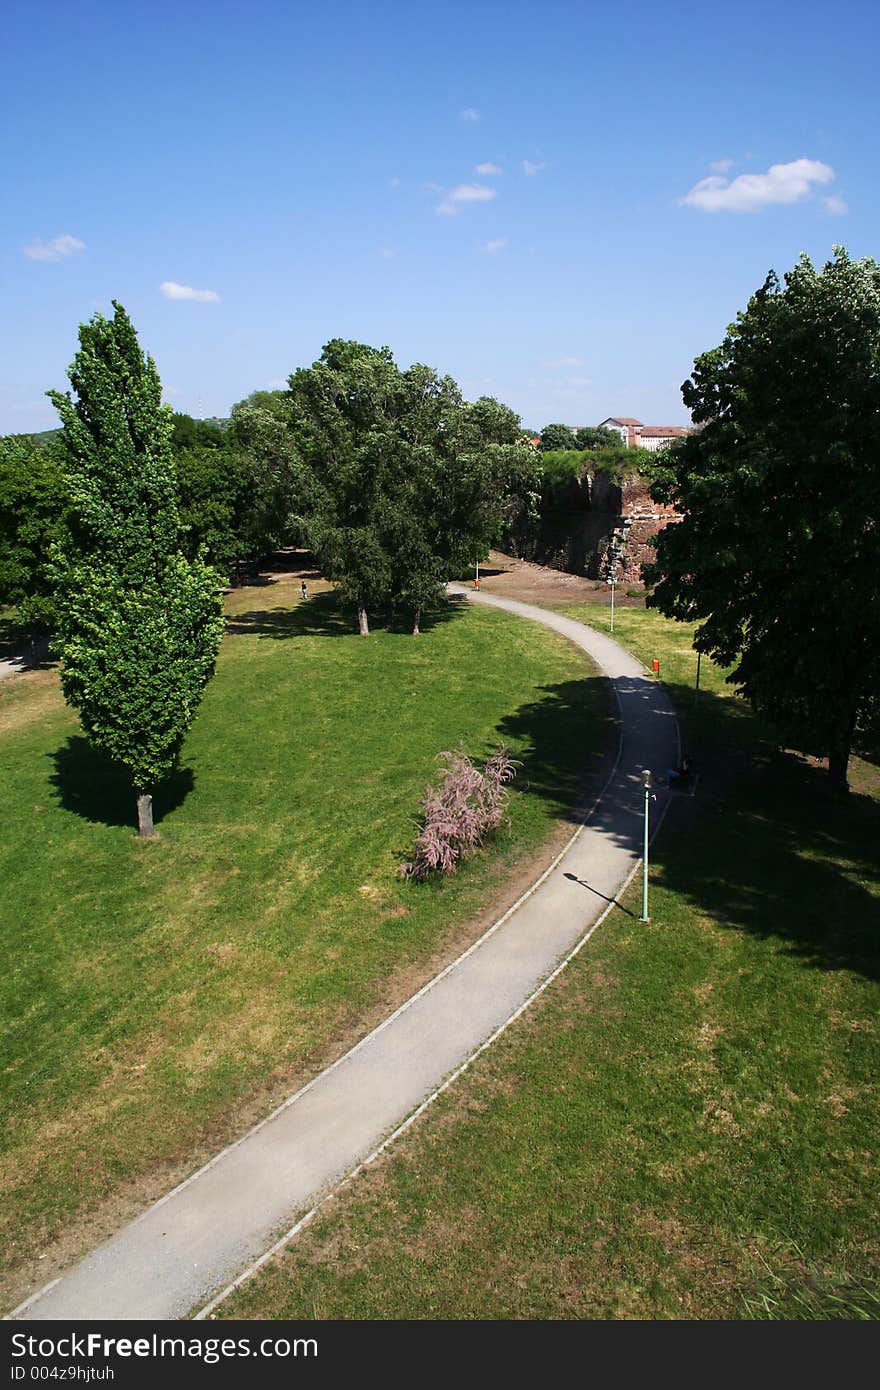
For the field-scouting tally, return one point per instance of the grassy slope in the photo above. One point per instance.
(685, 1124)
(149, 987)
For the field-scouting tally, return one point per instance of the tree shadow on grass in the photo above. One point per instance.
(761, 847)
(19, 645)
(564, 752)
(323, 615)
(764, 848)
(94, 787)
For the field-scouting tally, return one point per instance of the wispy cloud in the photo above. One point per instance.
(488, 169)
(470, 113)
(782, 183)
(721, 166)
(835, 205)
(465, 193)
(56, 250)
(394, 183)
(530, 168)
(493, 247)
(172, 290)
(389, 252)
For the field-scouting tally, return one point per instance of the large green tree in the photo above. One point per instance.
(777, 553)
(138, 622)
(402, 482)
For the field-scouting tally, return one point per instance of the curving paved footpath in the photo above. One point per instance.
(198, 1239)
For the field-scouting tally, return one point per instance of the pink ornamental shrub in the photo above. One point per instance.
(458, 814)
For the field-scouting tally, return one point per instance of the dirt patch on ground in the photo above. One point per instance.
(530, 583)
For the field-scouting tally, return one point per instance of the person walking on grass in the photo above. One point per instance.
(303, 591)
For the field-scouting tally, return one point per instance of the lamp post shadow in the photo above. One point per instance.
(574, 879)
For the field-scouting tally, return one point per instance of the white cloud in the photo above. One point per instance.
(172, 290)
(57, 250)
(528, 167)
(470, 113)
(465, 193)
(835, 205)
(782, 183)
(721, 166)
(493, 247)
(488, 168)
(394, 183)
(389, 252)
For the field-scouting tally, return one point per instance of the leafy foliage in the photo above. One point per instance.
(189, 433)
(459, 813)
(778, 549)
(557, 437)
(138, 622)
(596, 437)
(402, 483)
(32, 504)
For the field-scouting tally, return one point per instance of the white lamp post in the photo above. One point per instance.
(646, 778)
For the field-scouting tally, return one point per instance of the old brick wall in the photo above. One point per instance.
(646, 518)
(579, 524)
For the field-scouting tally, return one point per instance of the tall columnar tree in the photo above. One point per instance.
(778, 550)
(138, 622)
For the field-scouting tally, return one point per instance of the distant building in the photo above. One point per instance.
(624, 425)
(638, 436)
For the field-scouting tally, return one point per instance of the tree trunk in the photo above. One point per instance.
(418, 614)
(838, 761)
(146, 829)
(363, 622)
(838, 756)
(392, 613)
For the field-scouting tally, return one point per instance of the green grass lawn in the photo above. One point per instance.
(684, 1125)
(157, 997)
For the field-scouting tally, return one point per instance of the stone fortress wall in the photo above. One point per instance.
(586, 519)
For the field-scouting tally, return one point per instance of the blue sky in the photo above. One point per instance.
(559, 204)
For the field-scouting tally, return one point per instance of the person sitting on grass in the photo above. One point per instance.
(676, 775)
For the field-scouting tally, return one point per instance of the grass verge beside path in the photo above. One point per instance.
(158, 997)
(684, 1125)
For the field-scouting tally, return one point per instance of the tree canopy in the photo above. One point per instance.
(778, 550)
(138, 622)
(555, 437)
(597, 437)
(402, 483)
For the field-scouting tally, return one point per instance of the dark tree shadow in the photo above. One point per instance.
(761, 847)
(557, 728)
(324, 615)
(91, 785)
(30, 651)
(763, 844)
